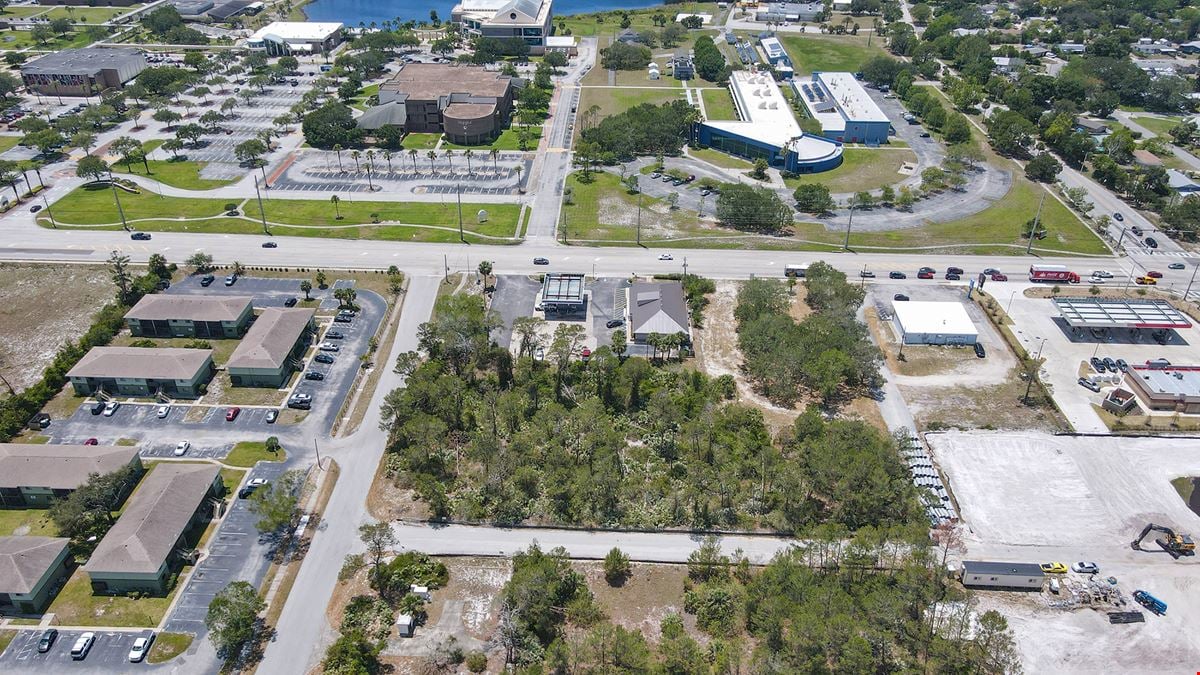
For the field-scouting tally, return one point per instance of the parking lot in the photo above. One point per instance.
(109, 653)
(321, 171)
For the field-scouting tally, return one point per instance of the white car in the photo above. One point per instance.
(1102, 274)
(110, 408)
(181, 448)
(83, 644)
(1085, 568)
(1096, 280)
(163, 411)
(665, 256)
(329, 347)
(140, 646)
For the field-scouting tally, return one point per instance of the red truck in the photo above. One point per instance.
(1052, 274)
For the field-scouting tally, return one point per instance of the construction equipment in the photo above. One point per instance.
(1175, 544)
(1150, 602)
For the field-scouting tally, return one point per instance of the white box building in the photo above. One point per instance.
(934, 323)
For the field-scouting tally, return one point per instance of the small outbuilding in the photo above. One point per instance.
(1002, 575)
(934, 323)
(405, 625)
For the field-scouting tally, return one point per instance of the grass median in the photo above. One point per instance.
(249, 453)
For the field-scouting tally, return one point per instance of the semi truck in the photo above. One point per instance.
(1052, 274)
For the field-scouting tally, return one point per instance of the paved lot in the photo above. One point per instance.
(319, 171)
(514, 297)
(109, 653)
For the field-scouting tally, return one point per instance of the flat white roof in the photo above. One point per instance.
(943, 318)
(705, 19)
(767, 117)
(851, 98)
(560, 41)
(772, 46)
(287, 31)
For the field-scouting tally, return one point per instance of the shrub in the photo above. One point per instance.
(616, 567)
(476, 662)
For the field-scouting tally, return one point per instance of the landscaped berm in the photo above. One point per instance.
(93, 207)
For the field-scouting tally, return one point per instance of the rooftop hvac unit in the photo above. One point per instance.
(774, 105)
(762, 105)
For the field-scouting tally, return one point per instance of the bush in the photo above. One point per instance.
(476, 662)
(616, 567)
(144, 343)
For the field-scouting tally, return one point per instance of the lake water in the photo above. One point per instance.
(351, 12)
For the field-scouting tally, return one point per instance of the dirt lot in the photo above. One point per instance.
(41, 307)
(649, 595)
(1033, 497)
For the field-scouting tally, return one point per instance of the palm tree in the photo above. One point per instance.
(431, 155)
(354, 155)
(518, 169)
(468, 154)
(412, 152)
(337, 214)
(388, 156)
(370, 155)
(338, 149)
(495, 153)
(450, 159)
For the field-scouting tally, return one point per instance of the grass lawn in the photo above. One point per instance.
(32, 522)
(718, 158)
(719, 104)
(93, 205)
(639, 78)
(420, 141)
(88, 14)
(20, 39)
(222, 349)
(861, 169)
(249, 453)
(604, 210)
(507, 140)
(1160, 127)
(613, 100)
(231, 479)
(609, 23)
(8, 142)
(169, 645)
(829, 52)
(6, 638)
(365, 93)
(75, 605)
(181, 173)
(22, 12)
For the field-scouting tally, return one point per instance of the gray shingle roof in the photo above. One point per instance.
(167, 363)
(382, 115)
(657, 307)
(58, 467)
(157, 514)
(163, 307)
(24, 560)
(271, 338)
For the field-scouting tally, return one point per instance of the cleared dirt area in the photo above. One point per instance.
(649, 595)
(41, 307)
(1034, 497)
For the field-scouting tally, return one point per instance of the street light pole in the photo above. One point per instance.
(55, 225)
(1037, 219)
(1033, 373)
(458, 193)
(262, 211)
(846, 244)
(113, 183)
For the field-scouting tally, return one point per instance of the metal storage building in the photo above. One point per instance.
(934, 323)
(1017, 576)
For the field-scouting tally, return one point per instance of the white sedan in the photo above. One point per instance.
(110, 408)
(1086, 568)
(140, 646)
(665, 256)
(181, 448)
(163, 411)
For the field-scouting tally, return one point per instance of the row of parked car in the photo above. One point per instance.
(83, 645)
(952, 274)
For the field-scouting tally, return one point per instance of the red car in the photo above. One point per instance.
(231, 414)
(925, 275)
(92, 441)
(1154, 275)
(999, 277)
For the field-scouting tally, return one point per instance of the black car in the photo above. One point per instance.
(290, 302)
(207, 280)
(924, 134)
(314, 375)
(343, 318)
(900, 297)
(1118, 217)
(923, 270)
(140, 236)
(1122, 365)
(954, 270)
(323, 358)
(614, 323)
(541, 261)
(951, 276)
(897, 275)
(270, 244)
(334, 335)
(1097, 364)
(97, 407)
(1151, 242)
(980, 351)
(299, 405)
(47, 641)
(35, 208)
(1136, 230)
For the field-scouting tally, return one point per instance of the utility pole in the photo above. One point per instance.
(639, 218)
(318, 449)
(458, 193)
(445, 268)
(1034, 370)
(55, 225)
(685, 268)
(846, 244)
(261, 211)
(1120, 238)
(1033, 230)
(112, 183)
(1185, 292)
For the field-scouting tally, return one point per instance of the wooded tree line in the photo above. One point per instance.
(644, 129)
(785, 618)
(827, 355)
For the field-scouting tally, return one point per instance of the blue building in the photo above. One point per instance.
(767, 129)
(844, 109)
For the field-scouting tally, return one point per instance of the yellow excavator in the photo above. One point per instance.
(1175, 544)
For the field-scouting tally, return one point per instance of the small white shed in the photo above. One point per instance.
(405, 625)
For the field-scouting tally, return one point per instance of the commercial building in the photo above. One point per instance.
(82, 72)
(469, 104)
(1171, 389)
(133, 371)
(91, 3)
(656, 307)
(563, 294)
(777, 12)
(1007, 575)
(767, 129)
(1120, 313)
(200, 316)
(528, 20)
(934, 323)
(844, 109)
(774, 51)
(1179, 182)
(682, 66)
(283, 38)
(34, 475)
(139, 551)
(32, 569)
(273, 349)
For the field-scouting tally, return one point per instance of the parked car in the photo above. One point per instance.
(207, 280)
(1158, 363)
(97, 407)
(334, 335)
(343, 318)
(1097, 364)
(1176, 266)
(897, 275)
(250, 486)
(1151, 242)
(954, 270)
(924, 134)
(270, 244)
(299, 404)
(110, 408)
(323, 358)
(83, 644)
(655, 174)
(924, 275)
(140, 646)
(232, 413)
(1122, 365)
(951, 276)
(1110, 364)
(48, 637)
(230, 280)
(1054, 568)
(182, 447)
(140, 236)
(1085, 382)
(705, 192)
(980, 351)
(1154, 274)
(272, 415)
(665, 256)
(92, 441)
(329, 347)
(541, 261)
(314, 375)
(163, 411)
(290, 302)
(899, 297)
(614, 323)
(1086, 568)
